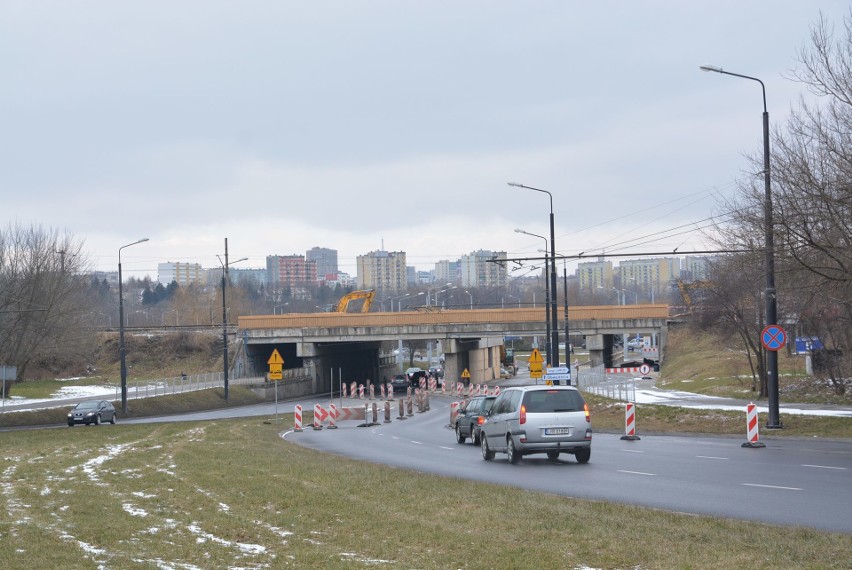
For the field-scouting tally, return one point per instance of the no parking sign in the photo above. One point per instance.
(773, 337)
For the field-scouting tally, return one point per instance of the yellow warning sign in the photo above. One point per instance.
(275, 358)
(466, 373)
(276, 363)
(536, 357)
(535, 370)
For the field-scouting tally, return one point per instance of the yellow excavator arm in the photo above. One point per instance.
(365, 294)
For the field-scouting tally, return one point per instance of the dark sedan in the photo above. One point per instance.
(400, 383)
(92, 412)
(471, 417)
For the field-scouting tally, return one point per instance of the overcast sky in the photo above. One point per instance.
(367, 125)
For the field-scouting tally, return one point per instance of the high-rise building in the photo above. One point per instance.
(384, 271)
(483, 269)
(326, 260)
(182, 273)
(648, 276)
(290, 271)
(447, 271)
(592, 275)
(696, 268)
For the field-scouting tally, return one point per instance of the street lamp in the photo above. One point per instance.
(469, 294)
(121, 348)
(399, 303)
(553, 316)
(549, 342)
(225, 314)
(774, 421)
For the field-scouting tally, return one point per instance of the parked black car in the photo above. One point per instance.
(92, 412)
(437, 372)
(471, 417)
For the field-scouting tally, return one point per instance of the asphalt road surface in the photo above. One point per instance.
(789, 482)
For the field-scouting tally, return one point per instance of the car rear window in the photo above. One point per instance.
(550, 401)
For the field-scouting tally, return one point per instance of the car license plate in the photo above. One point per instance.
(557, 431)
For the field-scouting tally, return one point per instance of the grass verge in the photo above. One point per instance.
(234, 494)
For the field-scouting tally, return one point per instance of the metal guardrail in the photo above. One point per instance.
(181, 384)
(614, 386)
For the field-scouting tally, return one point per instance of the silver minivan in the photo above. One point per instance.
(538, 419)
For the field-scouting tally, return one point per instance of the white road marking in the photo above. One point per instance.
(825, 467)
(772, 487)
(711, 457)
(417, 442)
(633, 451)
(637, 473)
(444, 447)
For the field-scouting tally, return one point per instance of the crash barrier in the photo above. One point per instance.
(624, 370)
(630, 423)
(597, 381)
(454, 413)
(297, 418)
(752, 430)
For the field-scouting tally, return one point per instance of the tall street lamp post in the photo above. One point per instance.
(554, 361)
(769, 293)
(547, 296)
(469, 294)
(225, 316)
(121, 349)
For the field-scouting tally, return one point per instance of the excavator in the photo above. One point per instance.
(365, 294)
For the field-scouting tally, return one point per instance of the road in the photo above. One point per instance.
(789, 482)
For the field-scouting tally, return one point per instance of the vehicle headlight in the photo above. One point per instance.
(70, 414)
(90, 414)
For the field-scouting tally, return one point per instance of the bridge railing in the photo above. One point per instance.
(181, 384)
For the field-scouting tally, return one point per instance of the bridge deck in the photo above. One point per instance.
(443, 317)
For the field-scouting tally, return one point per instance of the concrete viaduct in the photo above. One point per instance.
(328, 346)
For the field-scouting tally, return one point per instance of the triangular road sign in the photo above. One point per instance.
(535, 357)
(466, 373)
(275, 358)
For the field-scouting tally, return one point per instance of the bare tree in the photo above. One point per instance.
(43, 301)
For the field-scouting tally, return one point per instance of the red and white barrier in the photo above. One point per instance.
(630, 423)
(360, 391)
(382, 389)
(343, 390)
(459, 389)
(629, 369)
(319, 416)
(390, 391)
(433, 384)
(496, 390)
(372, 392)
(353, 389)
(753, 432)
(297, 418)
(443, 387)
(332, 415)
(454, 413)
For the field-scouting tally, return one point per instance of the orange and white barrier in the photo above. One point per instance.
(297, 418)
(332, 415)
(454, 413)
(630, 423)
(752, 430)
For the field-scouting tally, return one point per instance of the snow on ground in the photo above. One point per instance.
(67, 392)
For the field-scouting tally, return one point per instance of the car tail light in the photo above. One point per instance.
(523, 415)
(480, 420)
(588, 415)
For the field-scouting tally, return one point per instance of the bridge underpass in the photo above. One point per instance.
(328, 346)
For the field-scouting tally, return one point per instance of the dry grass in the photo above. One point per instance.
(233, 494)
